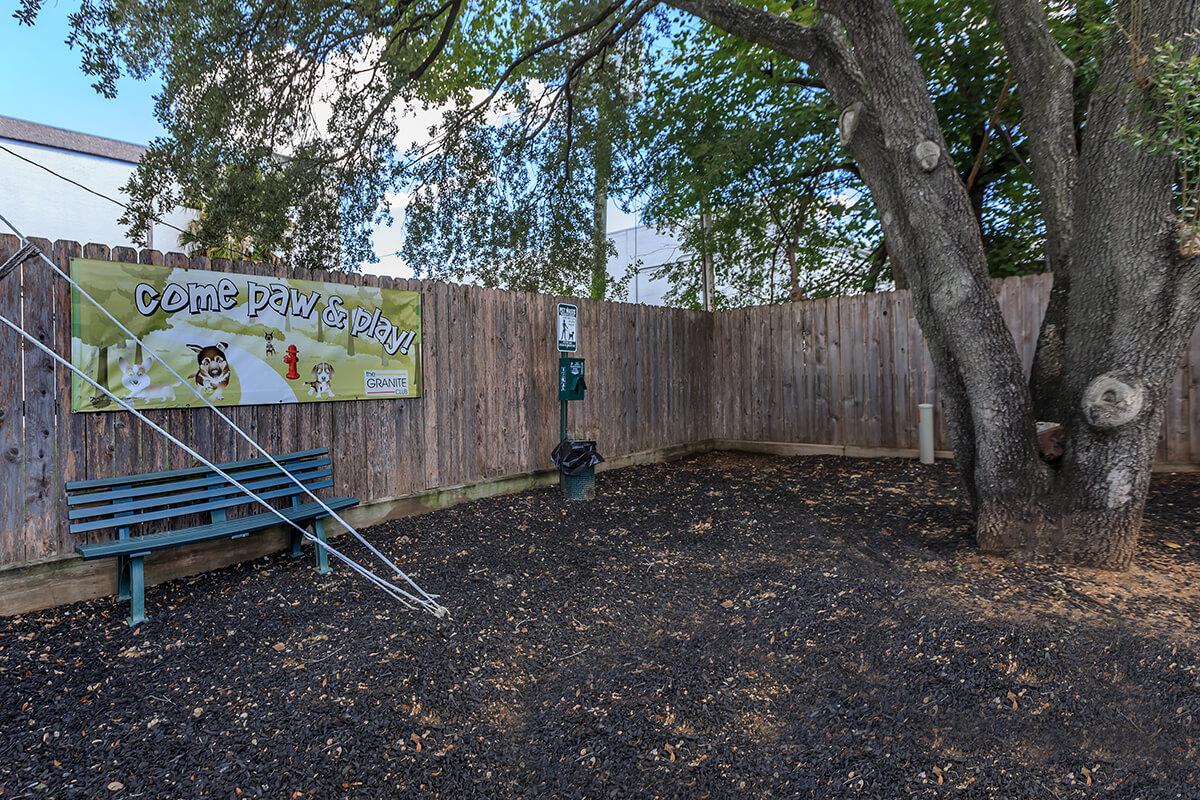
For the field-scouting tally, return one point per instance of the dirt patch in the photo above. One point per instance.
(728, 626)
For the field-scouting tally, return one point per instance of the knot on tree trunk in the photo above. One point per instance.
(848, 121)
(926, 154)
(1109, 402)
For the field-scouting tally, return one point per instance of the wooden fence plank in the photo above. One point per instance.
(41, 483)
(12, 496)
(71, 441)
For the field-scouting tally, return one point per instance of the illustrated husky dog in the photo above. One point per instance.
(135, 378)
(322, 375)
(270, 337)
(212, 374)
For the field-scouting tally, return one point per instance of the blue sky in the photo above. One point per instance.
(44, 83)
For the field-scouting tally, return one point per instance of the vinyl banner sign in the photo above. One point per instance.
(238, 339)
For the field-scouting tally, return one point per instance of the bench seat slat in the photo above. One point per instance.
(149, 516)
(277, 478)
(211, 479)
(191, 472)
(203, 533)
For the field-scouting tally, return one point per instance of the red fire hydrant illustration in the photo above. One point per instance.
(292, 359)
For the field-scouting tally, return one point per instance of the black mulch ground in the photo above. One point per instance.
(729, 626)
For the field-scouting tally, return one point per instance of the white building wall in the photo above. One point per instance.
(40, 204)
(653, 249)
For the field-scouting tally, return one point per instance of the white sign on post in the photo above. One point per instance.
(568, 316)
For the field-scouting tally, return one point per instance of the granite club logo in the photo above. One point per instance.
(385, 382)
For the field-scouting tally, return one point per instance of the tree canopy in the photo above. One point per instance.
(726, 143)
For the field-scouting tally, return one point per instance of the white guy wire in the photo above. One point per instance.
(396, 592)
(196, 391)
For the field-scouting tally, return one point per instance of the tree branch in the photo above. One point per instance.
(801, 42)
(1046, 83)
(440, 44)
(805, 81)
(541, 47)
(823, 169)
(987, 133)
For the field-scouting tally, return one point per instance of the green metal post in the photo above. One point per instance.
(562, 420)
(296, 537)
(122, 578)
(123, 561)
(322, 553)
(122, 568)
(137, 591)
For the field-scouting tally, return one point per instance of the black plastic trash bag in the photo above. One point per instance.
(572, 458)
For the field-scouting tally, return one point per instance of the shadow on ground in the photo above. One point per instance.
(729, 626)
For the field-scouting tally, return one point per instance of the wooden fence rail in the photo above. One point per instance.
(842, 371)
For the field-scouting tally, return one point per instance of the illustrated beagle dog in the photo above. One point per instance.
(322, 378)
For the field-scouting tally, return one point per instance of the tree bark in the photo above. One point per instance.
(1132, 304)
(1046, 83)
(602, 162)
(1124, 302)
(708, 273)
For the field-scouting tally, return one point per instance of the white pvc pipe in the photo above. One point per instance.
(925, 432)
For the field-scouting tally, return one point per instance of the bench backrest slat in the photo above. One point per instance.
(191, 472)
(211, 479)
(224, 489)
(134, 499)
(195, 508)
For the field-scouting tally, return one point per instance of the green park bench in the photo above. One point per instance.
(132, 500)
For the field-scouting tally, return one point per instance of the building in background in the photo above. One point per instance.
(61, 184)
(645, 250)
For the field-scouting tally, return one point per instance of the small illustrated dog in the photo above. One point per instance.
(320, 385)
(212, 374)
(270, 337)
(135, 378)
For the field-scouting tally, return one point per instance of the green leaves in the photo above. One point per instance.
(1171, 76)
(282, 120)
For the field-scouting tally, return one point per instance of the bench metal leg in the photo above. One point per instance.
(322, 553)
(122, 578)
(137, 591)
(296, 538)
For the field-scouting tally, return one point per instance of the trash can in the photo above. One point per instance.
(576, 462)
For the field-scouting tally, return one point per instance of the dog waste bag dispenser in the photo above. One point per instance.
(570, 380)
(577, 474)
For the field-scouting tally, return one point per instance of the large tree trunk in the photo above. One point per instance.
(1045, 82)
(1124, 301)
(889, 124)
(602, 159)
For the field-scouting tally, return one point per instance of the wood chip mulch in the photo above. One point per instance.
(727, 626)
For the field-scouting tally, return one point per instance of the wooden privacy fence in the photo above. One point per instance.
(489, 406)
(839, 372)
(850, 371)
